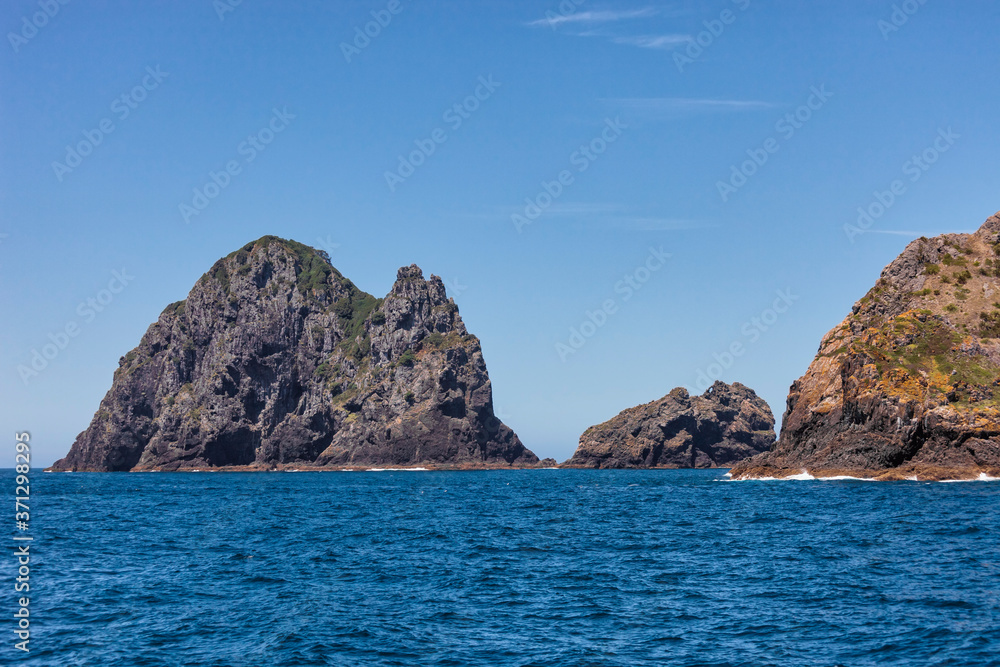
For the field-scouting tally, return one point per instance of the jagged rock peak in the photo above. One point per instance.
(991, 226)
(411, 272)
(275, 359)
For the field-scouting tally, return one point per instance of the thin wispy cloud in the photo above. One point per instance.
(916, 235)
(641, 224)
(610, 16)
(560, 210)
(660, 107)
(683, 103)
(583, 209)
(654, 41)
(602, 23)
(602, 215)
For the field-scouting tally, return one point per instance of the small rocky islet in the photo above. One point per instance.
(277, 361)
(724, 425)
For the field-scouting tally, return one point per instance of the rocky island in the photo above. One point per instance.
(275, 360)
(908, 385)
(724, 425)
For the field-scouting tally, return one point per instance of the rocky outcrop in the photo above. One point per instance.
(908, 385)
(725, 424)
(276, 360)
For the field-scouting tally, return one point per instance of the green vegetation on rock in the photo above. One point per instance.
(176, 309)
(220, 274)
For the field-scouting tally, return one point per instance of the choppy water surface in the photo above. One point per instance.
(544, 567)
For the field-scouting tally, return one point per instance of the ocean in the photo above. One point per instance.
(535, 567)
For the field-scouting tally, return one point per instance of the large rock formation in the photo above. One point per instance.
(908, 385)
(276, 360)
(725, 424)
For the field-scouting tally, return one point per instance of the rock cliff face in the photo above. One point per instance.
(725, 424)
(276, 360)
(908, 385)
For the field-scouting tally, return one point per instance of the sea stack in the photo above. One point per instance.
(275, 360)
(908, 385)
(727, 423)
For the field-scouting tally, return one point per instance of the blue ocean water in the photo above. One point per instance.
(540, 568)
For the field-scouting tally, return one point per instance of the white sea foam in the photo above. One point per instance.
(800, 477)
(983, 477)
(398, 469)
(846, 477)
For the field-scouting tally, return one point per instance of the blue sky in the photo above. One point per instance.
(683, 173)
